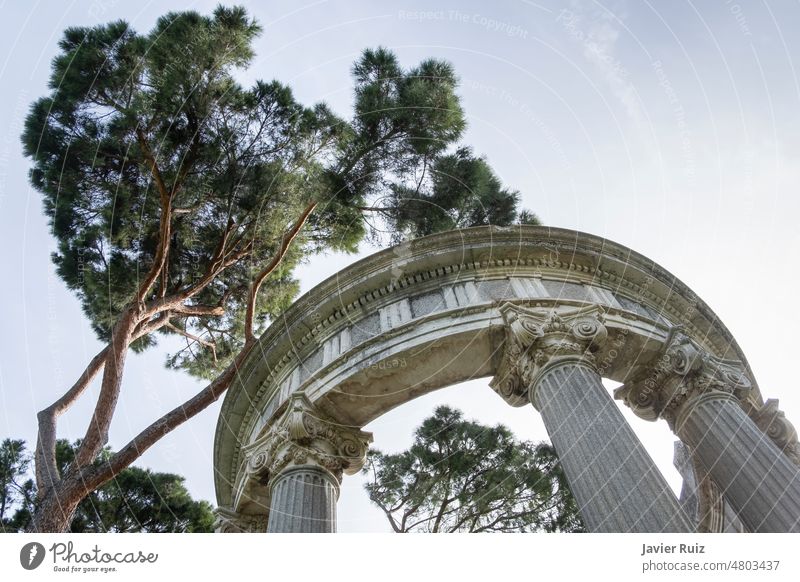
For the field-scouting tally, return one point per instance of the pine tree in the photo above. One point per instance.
(181, 201)
(462, 476)
(136, 500)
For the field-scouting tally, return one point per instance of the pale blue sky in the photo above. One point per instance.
(670, 127)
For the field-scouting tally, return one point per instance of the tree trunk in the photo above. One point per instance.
(56, 510)
(58, 503)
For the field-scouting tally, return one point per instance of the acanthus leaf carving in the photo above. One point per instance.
(681, 372)
(229, 521)
(773, 422)
(538, 338)
(304, 435)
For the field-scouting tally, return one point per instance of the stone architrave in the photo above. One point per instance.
(302, 459)
(549, 361)
(703, 399)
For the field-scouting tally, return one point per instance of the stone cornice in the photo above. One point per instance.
(538, 340)
(308, 319)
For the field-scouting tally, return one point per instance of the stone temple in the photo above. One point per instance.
(546, 313)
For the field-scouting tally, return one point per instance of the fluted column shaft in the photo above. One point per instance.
(549, 359)
(705, 399)
(617, 485)
(756, 478)
(303, 500)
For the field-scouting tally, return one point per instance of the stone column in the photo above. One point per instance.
(700, 497)
(703, 398)
(549, 362)
(302, 459)
(756, 478)
(303, 499)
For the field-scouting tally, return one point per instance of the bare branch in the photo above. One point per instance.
(166, 424)
(286, 242)
(47, 473)
(195, 338)
(165, 226)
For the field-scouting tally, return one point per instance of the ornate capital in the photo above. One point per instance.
(228, 521)
(302, 436)
(538, 339)
(773, 422)
(682, 372)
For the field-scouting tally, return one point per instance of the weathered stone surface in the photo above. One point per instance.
(366, 328)
(427, 303)
(760, 482)
(565, 290)
(431, 312)
(303, 501)
(228, 521)
(617, 485)
(549, 359)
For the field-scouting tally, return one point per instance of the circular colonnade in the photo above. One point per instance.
(546, 313)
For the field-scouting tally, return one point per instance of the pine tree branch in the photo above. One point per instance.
(175, 302)
(124, 333)
(93, 477)
(362, 153)
(198, 310)
(420, 522)
(286, 242)
(504, 516)
(445, 502)
(46, 469)
(201, 341)
(165, 225)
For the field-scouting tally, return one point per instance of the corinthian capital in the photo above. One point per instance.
(682, 372)
(773, 422)
(538, 339)
(228, 521)
(303, 435)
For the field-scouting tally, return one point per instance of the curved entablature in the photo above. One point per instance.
(432, 312)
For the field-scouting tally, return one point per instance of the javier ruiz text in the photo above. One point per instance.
(673, 549)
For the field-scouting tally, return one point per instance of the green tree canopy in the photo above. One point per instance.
(17, 489)
(139, 127)
(459, 190)
(181, 201)
(461, 476)
(137, 500)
